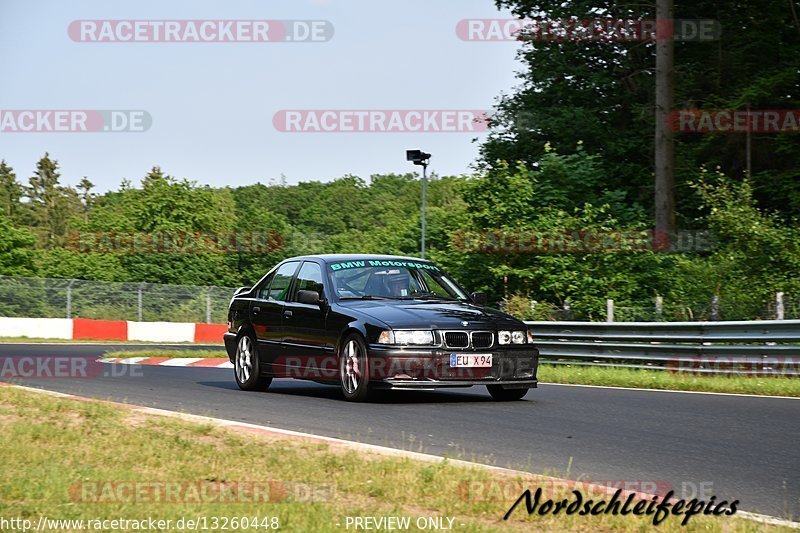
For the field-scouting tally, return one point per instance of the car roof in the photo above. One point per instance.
(332, 258)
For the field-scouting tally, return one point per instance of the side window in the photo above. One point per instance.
(309, 279)
(263, 290)
(279, 288)
(434, 286)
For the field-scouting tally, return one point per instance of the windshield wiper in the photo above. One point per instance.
(365, 297)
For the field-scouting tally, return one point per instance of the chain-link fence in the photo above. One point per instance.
(779, 307)
(75, 298)
(150, 302)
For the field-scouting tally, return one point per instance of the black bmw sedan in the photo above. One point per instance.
(372, 321)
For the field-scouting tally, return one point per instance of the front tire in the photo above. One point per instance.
(354, 369)
(246, 367)
(506, 395)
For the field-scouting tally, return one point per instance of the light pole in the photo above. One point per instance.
(418, 157)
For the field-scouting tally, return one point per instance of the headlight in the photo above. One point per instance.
(530, 336)
(418, 337)
(511, 337)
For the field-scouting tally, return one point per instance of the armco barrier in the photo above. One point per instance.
(767, 347)
(86, 329)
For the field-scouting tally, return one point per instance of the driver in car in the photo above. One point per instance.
(398, 284)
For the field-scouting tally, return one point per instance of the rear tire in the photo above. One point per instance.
(246, 368)
(506, 395)
(354, 369)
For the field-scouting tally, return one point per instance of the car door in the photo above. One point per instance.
(308, 343)
(266, 314)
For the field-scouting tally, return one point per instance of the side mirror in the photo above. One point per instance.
(240, 290)
(308, 297)
(479, 298)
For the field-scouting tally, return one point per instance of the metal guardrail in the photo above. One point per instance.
(768, 347)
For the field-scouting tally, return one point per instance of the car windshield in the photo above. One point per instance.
(392, 279)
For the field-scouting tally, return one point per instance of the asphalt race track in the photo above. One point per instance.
(733, 447)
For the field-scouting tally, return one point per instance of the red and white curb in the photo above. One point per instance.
(205, 362)
(268, 431)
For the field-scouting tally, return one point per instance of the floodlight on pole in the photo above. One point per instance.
(420, 158)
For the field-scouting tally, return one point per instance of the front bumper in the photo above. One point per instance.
(419, 368)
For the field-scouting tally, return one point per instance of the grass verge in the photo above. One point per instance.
(662, 379)
(171, 354)
(53, 445)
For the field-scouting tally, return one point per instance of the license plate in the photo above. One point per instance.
(470, 360)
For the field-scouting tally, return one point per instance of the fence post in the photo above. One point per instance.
(567, 310)
(609, 310)
(140, 301)
(659, 308)
(69, 298)
(779, 309)
(715, 307)
(208, 306)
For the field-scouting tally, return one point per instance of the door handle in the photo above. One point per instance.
(256, 310)
(287, 314)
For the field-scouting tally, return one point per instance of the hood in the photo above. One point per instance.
(426, 314)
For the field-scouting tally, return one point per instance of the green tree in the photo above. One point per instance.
(10, 190)
(87, 197)
(521, 219)
(16, 250)
(51, 206)
(754, 256)
(185, 223)
(603, 93)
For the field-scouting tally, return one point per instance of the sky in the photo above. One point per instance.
(212, 104)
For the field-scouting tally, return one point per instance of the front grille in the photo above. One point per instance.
(482, 339)
(456, 339)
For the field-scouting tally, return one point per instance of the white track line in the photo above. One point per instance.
(381, 450)
(671, 391)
